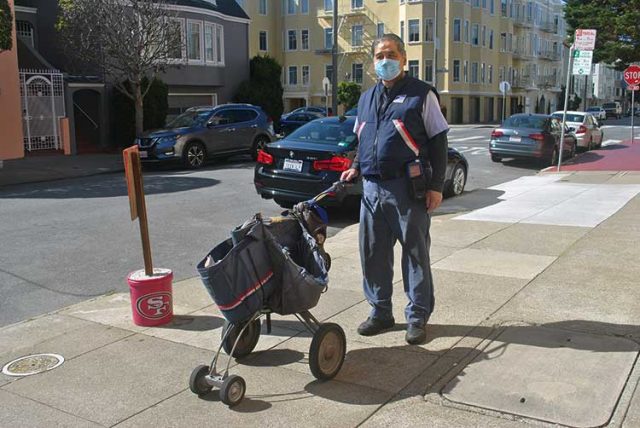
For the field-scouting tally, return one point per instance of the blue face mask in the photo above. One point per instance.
(388, 69)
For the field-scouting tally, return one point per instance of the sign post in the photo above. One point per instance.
(584, 41)
(326, 83)
(133, 174)
(504, 88)
(632, 78)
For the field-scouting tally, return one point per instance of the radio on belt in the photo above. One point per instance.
(417, 181)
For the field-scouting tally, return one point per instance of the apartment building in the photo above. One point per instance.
(607, 84)
(464, 47)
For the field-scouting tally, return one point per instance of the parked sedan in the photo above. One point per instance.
(598, 112)
(531, 136)
(310, 109)
(585, 127)
(201, 133)
(293, 121)
(314, 156)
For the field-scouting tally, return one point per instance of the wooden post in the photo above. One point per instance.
(135, 189)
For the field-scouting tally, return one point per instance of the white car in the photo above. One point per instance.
(585, 126)
(598, 112)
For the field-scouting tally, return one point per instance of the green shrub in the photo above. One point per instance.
(155, 107)
(263, 88)
(6, 26)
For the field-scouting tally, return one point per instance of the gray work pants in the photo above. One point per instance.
(388, 214)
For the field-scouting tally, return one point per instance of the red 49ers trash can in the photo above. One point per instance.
(151, 297)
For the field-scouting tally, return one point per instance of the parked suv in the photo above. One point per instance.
(201, 133)
(613, 109)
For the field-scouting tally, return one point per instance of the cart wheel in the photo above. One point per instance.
(232, 390)
(197, 383)
(247, 342)
(327, 351)
(327, 260)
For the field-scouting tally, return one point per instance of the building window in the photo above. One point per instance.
(465, 71)
(466, 31)
(414, 68)
(492, 8)
(483, 73)
(490, 74)
(357, 4)
(194, 46)
(456, 30)
(356, 35)
(475, 37)
(220, 44)
(293, 75)
(380, 29)
(328, 5)
(304, 7)
(503, 7)
(484, 35)
(209, 42)
(262, 7)
(476, 3)
(176, 32)
(414, 30)
(428, 30)
(484, 4)
(292, 40)
(491, 39)
(291, 7)
(474, 72)
(328, 38)
(305, 75)
(456, 70)
(402, 30)
(263, 40)
(357, 73)
(24, 30)
(428, 70)
(304, 39)
(328, 71)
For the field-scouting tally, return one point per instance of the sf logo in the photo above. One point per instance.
(154, 305)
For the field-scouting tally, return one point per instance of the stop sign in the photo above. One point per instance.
(632, 75)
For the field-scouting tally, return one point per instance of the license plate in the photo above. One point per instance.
(513, 139)
(143, 154)
(292, 165)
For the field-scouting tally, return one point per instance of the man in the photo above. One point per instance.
(399, 121)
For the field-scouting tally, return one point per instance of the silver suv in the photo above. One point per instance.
(201, 133)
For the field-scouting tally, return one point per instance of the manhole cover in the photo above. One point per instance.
(32, 364)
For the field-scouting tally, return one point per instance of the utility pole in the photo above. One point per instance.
(334, 61)
(435, 47)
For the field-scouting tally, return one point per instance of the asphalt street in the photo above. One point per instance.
(68, 241)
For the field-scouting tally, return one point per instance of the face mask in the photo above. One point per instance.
(388, 69)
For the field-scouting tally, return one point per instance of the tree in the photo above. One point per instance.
(263, 88)
(618, 25)
(348, 94)
(6, 26)
(130, 40)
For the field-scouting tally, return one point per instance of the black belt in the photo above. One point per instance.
(385, 176)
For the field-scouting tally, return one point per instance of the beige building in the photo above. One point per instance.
(478, 44)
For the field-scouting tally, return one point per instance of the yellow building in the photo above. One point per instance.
(478, 44)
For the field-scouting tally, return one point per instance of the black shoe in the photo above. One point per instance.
(373, 326)
(416, 334)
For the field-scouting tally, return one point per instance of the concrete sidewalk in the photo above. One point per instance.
(536, 322)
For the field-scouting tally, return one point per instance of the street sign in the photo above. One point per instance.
(505, 86)
(633, 87)
(585, 40)
(632, 75)
(582, 62)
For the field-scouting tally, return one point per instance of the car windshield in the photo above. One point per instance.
(189, 119)
(570, 117)
(525, 122)
(609, 105)
(593, 109)
(325, 132)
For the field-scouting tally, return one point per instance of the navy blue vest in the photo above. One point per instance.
(390, 136)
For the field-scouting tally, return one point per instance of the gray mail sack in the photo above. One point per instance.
(269, 264)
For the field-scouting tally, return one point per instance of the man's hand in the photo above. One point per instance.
(349, 175)
(433, 200)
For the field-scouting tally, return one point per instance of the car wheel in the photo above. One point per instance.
(260, 142)
(495, 158)
(194, 155)
(457, 182)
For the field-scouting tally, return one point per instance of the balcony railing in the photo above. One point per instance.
(522, 54)
(550, 81)
(522, 22)
(323, 51)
